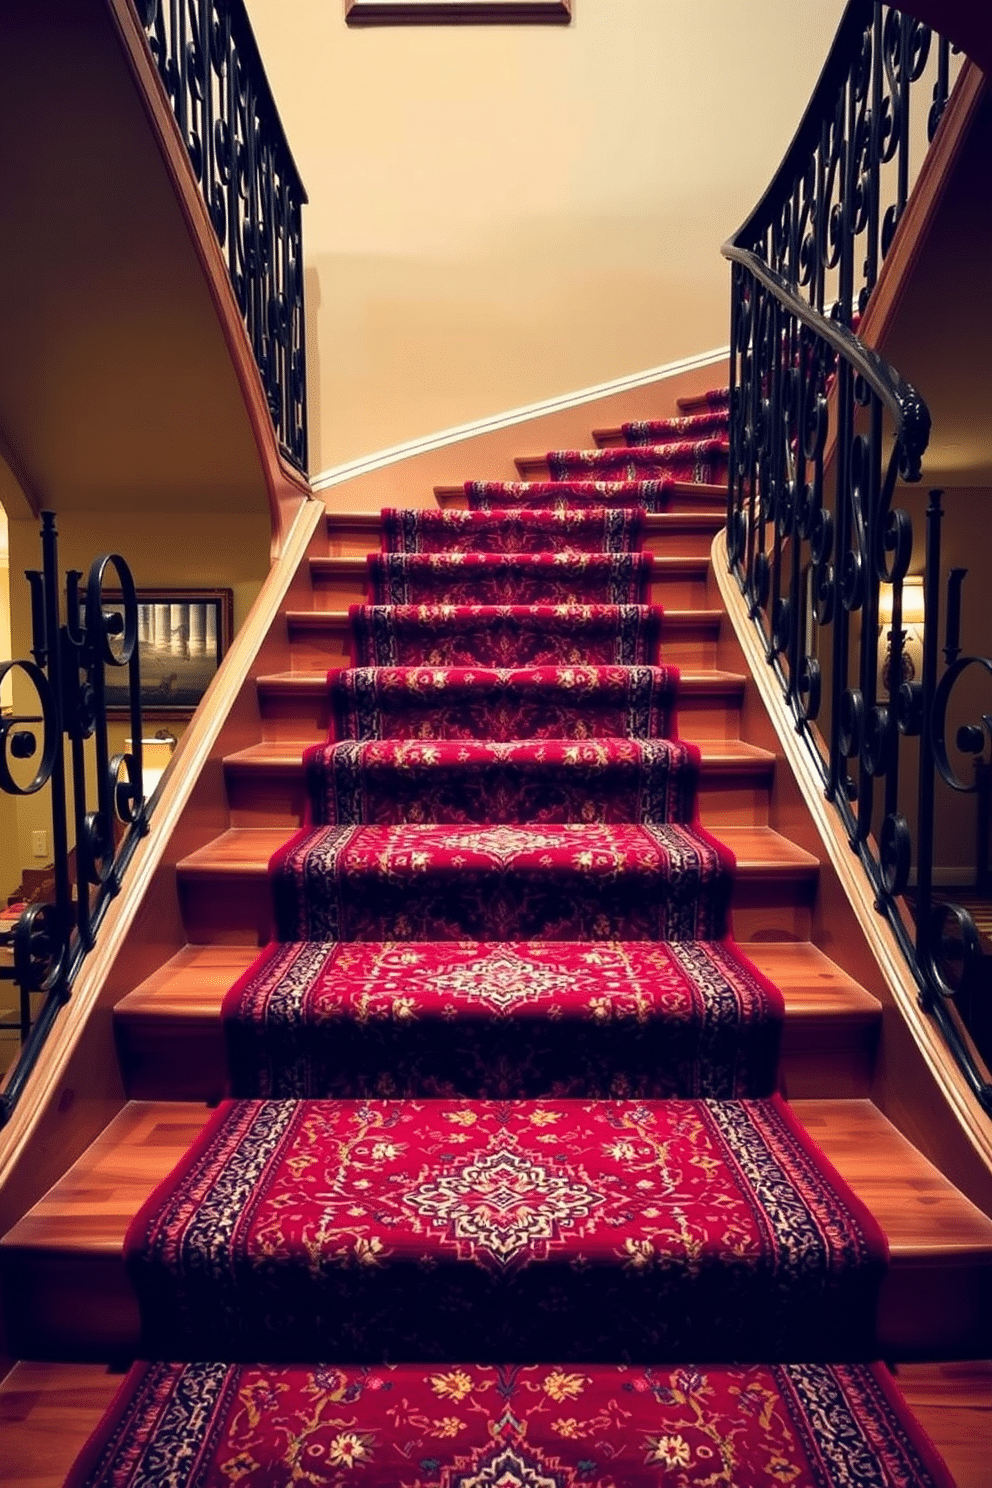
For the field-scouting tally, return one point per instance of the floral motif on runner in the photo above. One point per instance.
(572, 702)
(505, 635)
(503, 1020)
(634, 1228)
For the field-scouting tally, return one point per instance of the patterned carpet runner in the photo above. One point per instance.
(503, 1020)
(504, 1087)
(702, 460)
(563, 497)
(478, 1426)
(504, 704)
(505, 1231)
(564, 530)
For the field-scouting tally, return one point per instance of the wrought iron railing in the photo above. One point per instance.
(822, 433)
(209, 64)
(47, 744)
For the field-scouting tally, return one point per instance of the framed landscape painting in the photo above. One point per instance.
(182, 637)
(455, 12)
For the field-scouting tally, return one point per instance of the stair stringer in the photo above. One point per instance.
(76, 1087)
(916, 1081)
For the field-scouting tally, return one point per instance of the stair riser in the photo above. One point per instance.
(306, 716)
(67, 1306)
(276, 797)
(175, 1059)
(234, 907)
(694, 539)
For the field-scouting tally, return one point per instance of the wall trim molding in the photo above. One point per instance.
(338, 474)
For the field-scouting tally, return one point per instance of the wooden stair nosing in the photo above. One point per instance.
(64, 1272)
(171, 1039)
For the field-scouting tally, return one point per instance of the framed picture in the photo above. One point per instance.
(454, 12)
(182, 637)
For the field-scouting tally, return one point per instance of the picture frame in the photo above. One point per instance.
(183, 636)
(456, 12)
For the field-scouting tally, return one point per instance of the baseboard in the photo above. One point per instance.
(338, 474)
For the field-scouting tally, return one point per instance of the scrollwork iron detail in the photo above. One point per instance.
(822, 431)
(73, 646)
(209, 64)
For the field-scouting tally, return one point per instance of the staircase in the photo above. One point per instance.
(67, 1290)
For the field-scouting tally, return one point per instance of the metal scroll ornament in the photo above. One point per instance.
(61, 730)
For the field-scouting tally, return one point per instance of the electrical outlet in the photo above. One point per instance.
(39, 844)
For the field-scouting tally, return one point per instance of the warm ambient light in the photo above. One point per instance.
(913, 612)
(913, 616)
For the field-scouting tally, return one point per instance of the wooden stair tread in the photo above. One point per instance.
(761, 852)
(454, 496)
(923, 1215)
(811, 982)
(370, 522)
(192, 984)
(709, 682)
(920, 1210)
(48, 1410)
(282, 755)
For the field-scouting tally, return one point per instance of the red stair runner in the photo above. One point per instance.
(561, 497)
(596, 530)
(505, 635)
(703, 460)
(561, 578)
(475, 702)
(504, 1083)
(548, 781)
(479, 1426)
(503, 1020)
(575, 881)
(508, 1231)
(657, 431)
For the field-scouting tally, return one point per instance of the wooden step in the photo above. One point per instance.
(832, 1024)
(356, 534)
(684, 496)
(678, 580)
(698, 403)
(47, 1412)
(171, 1044)
(321, 638)
(266, 788)
(224, 888)
(69, 1296)
(294, 705)
(535, 467)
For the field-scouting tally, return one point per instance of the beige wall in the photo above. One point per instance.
(209, 550)
(502, 214)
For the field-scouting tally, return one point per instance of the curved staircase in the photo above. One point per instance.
(71, 1293)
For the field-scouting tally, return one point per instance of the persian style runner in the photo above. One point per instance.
(702, 460)
(562, 497)
(575, 881)
(505, 1231)
(505, 1020)
(505, 635)
(562, 578)
(504, 1087)
(392, 781)
(503, 704)
(564, 530)
(537, 1426)
(659, 431)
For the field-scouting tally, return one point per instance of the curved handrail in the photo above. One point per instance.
(813, 536)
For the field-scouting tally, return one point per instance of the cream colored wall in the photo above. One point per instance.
(501, 214)
(206, 550)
